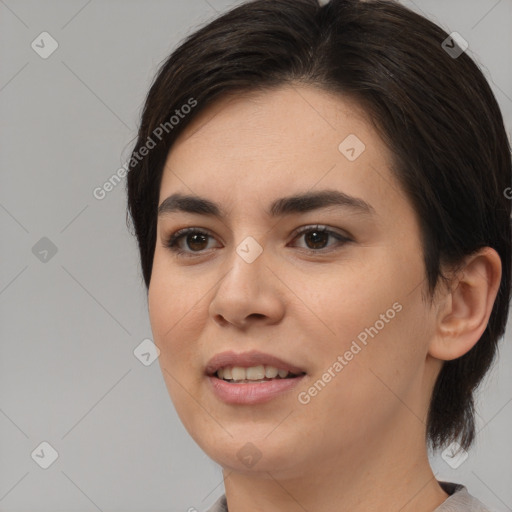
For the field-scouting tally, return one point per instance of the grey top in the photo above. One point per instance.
(459, 501)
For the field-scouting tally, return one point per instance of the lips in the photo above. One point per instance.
(247, 360)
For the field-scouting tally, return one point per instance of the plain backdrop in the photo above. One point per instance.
(73, 308)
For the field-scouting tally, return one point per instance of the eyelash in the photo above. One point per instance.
(171, 242)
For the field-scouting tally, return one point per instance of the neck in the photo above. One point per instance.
(385, 474)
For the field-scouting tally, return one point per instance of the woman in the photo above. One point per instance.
(318, 198)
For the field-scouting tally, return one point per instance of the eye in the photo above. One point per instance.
(197, 240)
(316, 237)
(194, 238)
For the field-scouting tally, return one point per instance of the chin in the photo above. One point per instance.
(251, 450)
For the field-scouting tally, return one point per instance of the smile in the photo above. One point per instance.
(258, 373)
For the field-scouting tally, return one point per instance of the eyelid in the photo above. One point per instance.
(176, 235)
(323, 228)
(170, 241)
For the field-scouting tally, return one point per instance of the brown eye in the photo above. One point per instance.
(316, 238)
(196, 241)
(188, 241)
(193, 242)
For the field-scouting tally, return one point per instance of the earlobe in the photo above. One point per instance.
(464, 309)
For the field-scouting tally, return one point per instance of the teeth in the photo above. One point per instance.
(255, 373)
(271, 372)
(238, 373)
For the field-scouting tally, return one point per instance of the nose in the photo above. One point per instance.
(248, 293)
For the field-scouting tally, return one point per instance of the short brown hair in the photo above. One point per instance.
(436, 113)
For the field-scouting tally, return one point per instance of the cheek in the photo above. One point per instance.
(372, 315)
(344, 299)
(172, 299)
(374, 379)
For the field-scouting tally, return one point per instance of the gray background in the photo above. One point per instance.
(69, 325)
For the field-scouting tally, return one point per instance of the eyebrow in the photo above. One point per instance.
(299, 203)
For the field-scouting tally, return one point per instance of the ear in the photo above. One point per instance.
(464, 310)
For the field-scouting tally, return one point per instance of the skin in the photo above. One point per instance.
(359, 444)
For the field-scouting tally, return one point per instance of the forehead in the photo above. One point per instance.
(282, 118)
(255, 146)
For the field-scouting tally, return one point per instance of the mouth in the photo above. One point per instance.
(251, 366)
(251, 377)
(260, 373)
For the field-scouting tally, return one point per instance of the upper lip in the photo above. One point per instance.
(247, 359)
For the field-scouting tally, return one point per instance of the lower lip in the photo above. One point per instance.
(248, 393)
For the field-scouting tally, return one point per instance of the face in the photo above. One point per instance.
(330, 285)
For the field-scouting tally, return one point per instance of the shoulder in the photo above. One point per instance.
(219, 506)
(459, 500)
